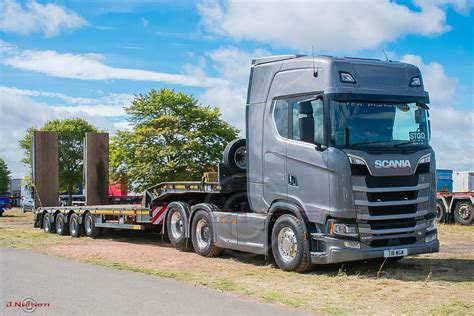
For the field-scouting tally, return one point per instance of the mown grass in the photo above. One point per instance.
(435, 284)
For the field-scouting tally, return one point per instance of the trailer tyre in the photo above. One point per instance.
(176, 226)
(61, 226)
(89, 226)
(235, 156)
(289, 247)
(463, 213)
(48, 223)
(75, 229)
(440, 212)
(202, 233)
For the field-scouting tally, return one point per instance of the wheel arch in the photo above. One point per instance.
(276, 210)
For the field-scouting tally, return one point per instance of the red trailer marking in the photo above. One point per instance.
(158, 215)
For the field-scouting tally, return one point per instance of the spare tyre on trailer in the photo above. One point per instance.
(235, 156)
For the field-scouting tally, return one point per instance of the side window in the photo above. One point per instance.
(280, 115)
(318, 115)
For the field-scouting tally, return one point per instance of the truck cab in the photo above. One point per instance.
(344, 144)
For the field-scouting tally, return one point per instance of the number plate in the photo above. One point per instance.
(395, 253)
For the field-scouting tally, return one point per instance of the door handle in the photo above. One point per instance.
(292, 180)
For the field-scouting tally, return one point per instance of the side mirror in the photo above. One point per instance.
(306, 122)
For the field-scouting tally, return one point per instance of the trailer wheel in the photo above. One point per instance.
(47, 223)
(75, 229)
(202, 235)
(440, 212)
(89, 226)
(235, 156)
(289, 247)
(176, 226)
(463, 213)
(61, 226)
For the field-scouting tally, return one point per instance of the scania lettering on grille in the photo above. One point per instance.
(392, 163)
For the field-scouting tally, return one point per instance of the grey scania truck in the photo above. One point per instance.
(336, 166)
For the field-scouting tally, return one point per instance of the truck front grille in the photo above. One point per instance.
(391, 210)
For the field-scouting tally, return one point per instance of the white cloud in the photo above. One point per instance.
(90, 67)
(452, 128)
(442, 88)
(21, 111)
(47, 18)
(233, 65)
(336, 25)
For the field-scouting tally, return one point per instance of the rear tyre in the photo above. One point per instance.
(75, 229)
(235, 156)
(48, 223)
(202, 234)
(440, 212)
(176, 226)
(463, 213)
(289, 247)
(61, 226)
(89, 226)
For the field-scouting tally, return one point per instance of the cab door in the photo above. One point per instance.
(275, 136)
(307, 157)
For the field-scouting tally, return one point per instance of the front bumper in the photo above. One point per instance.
(337, 252)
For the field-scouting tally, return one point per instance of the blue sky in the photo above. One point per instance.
(88, 58)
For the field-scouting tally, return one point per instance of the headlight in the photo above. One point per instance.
(430, 225)
(356, 160)
(425, 159)
(343, 229)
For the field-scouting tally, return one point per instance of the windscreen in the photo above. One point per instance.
(381, 124)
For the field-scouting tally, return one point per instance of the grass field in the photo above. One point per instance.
(436, 284)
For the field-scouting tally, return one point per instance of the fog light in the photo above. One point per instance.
(430, 238)
(352, 244)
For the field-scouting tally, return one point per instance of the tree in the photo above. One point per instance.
(71, 133)
(5, 177)
(172, 138)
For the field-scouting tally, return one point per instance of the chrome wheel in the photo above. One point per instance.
(202, 233)
(176, 225)
(464, 212)
(287, 244)
(240, 157)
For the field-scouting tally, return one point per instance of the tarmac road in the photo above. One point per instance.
(78, 288)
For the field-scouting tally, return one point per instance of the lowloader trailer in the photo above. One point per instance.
(336, 166)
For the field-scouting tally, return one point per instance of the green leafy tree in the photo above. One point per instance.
(4, 177)
(172, 138)
(71, 133)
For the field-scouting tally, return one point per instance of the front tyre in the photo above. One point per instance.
(463, 213)
(202, 234)
(290, 249)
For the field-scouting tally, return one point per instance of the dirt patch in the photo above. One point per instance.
(438, 284)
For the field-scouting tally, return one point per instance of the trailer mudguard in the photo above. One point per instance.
(186, 210)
